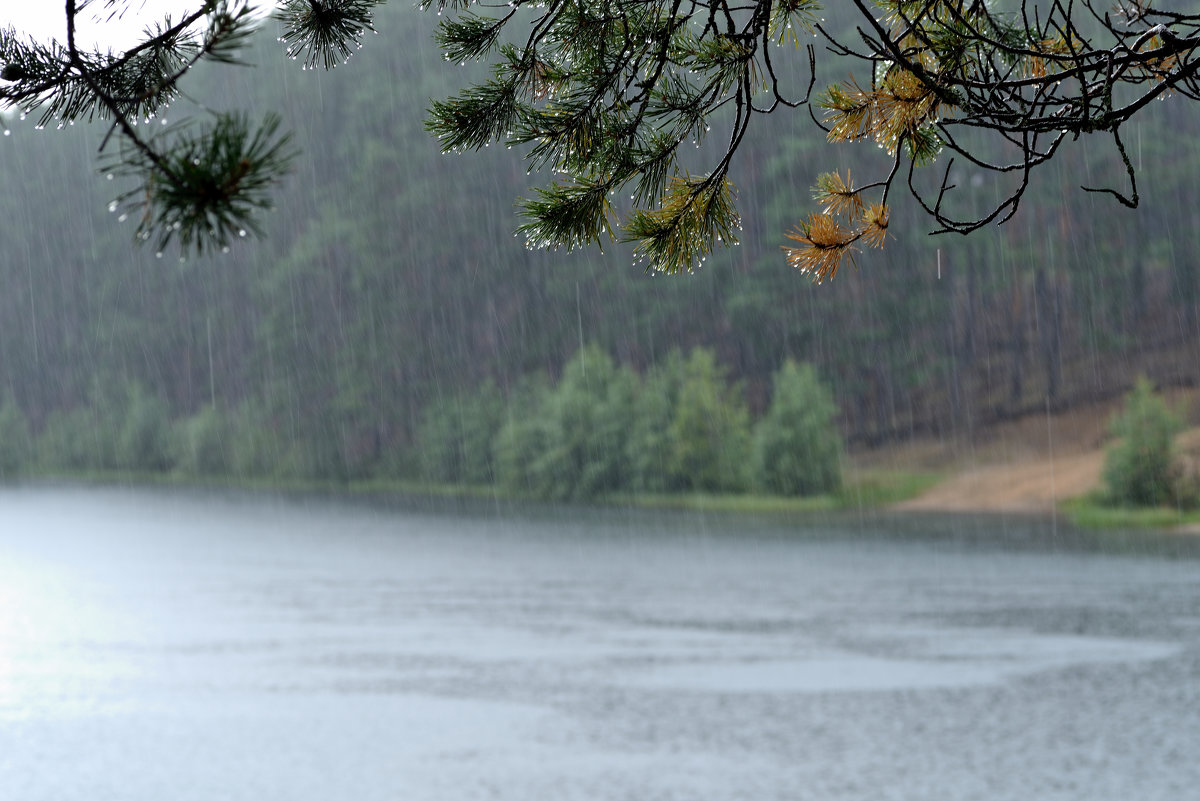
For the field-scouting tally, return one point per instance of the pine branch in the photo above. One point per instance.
(694, 216)
(325, 31)
(568, 215)
(208, 186)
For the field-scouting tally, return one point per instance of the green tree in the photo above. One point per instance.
(89, 436)
(144, 439)
(71, 440)
(650, 443)
(523, 440)
(1137, 467)
(587, 417)
(257, 448)
(709, 430)
(457, 434)
(203, 443)
(15, 442)
(797, 447)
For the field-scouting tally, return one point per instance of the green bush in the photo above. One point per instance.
(523, 440)
(607, 468)
(255, 449)
(77, 439)
(144, 440)
(710, 429)
(1137, 466)
(649, 445)
(15, 443)
(797, 447)
(87, 437)
(203, 443)
(587, 417)
(456, 436)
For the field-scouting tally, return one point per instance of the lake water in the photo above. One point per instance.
(192, 646)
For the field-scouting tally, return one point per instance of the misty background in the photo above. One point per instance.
(389, 281)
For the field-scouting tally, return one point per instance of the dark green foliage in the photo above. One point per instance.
(206, 190)
(469, 37)
(710, 429)
(325, 31)
(569, 216)
(523, 440)
(650, 443)
(479, 115)
(144, 439)
(609, 93)
(255, 448)
(384, 282)
(202, 186)
(797, 445)
(695, 215)
(1137, 466)
(77, 439)
(607, 96)
(136, 85)
(586, 418)
(203, 443)
(456, 436)
(15, 443)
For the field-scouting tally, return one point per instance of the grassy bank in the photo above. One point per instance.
(1094, 512)
(871, 488)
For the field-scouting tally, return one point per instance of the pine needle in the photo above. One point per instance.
(824, 242)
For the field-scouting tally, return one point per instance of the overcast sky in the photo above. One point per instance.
(46, 19)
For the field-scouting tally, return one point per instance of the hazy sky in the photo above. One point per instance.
(45, 19)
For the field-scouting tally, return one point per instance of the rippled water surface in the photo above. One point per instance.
(188, 646)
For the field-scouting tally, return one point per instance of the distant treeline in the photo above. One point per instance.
(389, 291)
(600, 429)
(603, 429)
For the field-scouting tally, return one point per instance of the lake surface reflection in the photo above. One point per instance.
(174, 645)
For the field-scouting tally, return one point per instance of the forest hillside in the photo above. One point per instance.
(389, 280)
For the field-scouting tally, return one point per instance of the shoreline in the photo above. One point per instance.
(1042, 465)
(874, 495)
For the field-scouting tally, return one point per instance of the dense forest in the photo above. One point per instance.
(389, 283)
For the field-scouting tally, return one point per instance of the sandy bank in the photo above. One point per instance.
(1034, 486)
(1025, 465)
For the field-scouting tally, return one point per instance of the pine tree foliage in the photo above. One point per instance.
(326, 32)
(607, 92)
(609, 96)
(201, 185)
(823, 240)
(204, 190)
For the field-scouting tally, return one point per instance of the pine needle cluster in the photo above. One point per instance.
(200, 185)
(1035, 78)
(206, 188)
(325, 32)
(618, 100)
(609, 95)
(828, 237)
(606, 93)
